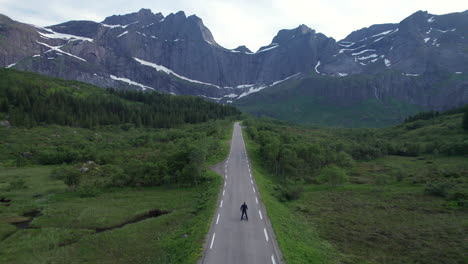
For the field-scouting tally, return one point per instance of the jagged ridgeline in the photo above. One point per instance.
(29, 99)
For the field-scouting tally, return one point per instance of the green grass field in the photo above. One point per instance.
(384, 213)
(66, 230)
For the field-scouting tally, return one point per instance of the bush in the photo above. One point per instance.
(333, 175)
(68, 174)
(289, 192)
(440, 189)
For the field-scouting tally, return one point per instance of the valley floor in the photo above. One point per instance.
(42, 220)
(383, 215)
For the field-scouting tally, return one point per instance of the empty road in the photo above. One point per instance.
(231, 240)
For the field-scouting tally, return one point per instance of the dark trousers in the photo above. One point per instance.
(244, 213)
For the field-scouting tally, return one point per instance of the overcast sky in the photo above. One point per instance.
(239, 22)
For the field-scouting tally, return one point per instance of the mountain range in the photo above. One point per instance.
(374, 77)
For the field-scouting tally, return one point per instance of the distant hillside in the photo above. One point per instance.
(359, 100)
(29, 99)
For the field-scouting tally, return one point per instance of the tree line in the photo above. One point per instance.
(28, 99)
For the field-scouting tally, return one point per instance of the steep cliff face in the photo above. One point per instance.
(420, 44)
(422, 60)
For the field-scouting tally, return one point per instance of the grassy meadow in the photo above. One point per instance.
(391, 195)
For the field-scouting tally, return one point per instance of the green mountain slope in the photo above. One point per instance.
(352, 101)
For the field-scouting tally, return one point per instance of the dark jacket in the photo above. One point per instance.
(244, 207)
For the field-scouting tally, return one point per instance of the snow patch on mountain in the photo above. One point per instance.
(316, 67)
(55, 35)
(272, 46)
(379, 39)
(387, 62)
(11, 65)
(362, 51)
(411, 74)
(258, 89)
(383, 33)
(212, 98)
(346, 45)
(57, 49)
(118, 26)
(445, 31)
(125, 33)
(243, 86)
(169, 71)
(368, 57)
(430, 20)
(128, 81)
(426, 40)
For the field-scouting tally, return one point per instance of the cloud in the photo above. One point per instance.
(239, 22)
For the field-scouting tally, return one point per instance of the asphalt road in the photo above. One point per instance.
(231, 240)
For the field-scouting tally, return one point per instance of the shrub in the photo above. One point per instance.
(289, 192)
(438, 189)
(333, 175)
(68, 174)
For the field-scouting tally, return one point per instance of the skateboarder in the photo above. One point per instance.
(244, 208)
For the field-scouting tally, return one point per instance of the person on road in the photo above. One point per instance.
(244, 208)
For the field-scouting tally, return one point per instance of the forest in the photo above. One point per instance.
(29, 99)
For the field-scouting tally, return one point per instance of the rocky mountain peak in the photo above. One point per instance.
(144, 16)
(286, 35)
(243, 48)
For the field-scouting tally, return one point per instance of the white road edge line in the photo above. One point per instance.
(256, 200)
(253, 189)
(212, 240)
(264, 231)
(224, 184)
(273, 259)
(251, 181)
(259, 212)
(223, 192)
(221, 204)
(217, 219)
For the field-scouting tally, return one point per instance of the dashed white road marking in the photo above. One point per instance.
(217, 219)
(223, 192)
(259, 212)
(212, 240)
(221, 206)
(256, 200)
(224, 184)
(251, 181)
(273, 259)
(264, 231)
(253, 189)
